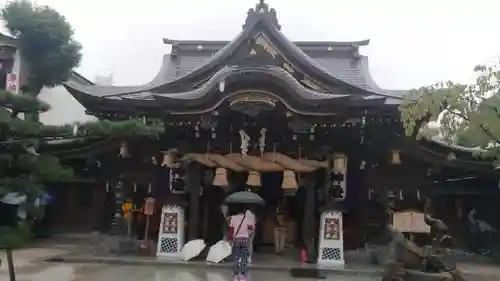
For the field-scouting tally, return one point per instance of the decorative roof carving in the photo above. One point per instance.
(252, 102)
(262, 12)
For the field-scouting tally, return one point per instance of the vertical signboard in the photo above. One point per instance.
(12, 82)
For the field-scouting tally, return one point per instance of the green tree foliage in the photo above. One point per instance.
(46, 43)
(45, 40)
(468, 114)
(22, 169)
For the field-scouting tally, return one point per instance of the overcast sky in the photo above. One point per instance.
(413, 42)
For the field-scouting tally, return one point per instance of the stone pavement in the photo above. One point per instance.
(151, 273)
(76, 262)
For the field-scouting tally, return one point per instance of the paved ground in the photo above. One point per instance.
(66, 272)
(30, 266)
(78, 272)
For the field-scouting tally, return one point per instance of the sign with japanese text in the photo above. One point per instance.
(12, 82)
(331, 229)
(149, 206)
(410, 222)
(170, 222)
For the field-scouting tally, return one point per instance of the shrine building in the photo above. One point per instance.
(302, 124)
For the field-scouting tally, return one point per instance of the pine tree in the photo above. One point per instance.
(46, 43)
(22, 170)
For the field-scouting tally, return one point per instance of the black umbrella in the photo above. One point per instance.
(245, 197)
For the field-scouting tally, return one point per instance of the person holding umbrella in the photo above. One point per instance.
(241, 228)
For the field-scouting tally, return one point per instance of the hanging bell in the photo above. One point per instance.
(253, 179)
(289, 180)
(339, 163)
(220, 178)
(167, 160)
(395, 157)
(124, 150)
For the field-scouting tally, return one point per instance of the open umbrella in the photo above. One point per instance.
(245, 197)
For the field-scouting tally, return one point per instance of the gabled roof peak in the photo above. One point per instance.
(261, 13)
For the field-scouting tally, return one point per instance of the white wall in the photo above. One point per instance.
(65, 109)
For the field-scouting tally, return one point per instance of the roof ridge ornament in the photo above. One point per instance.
(262, 12)
(262, 7)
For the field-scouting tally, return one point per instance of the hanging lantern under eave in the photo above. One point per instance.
(254, 179)
(220, 178)
(395, 157)
(339, 163)
(222, 86)
(289, 180)
(167, 160)
(124, 150)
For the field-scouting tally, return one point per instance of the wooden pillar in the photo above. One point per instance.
(193, 185)
(309, 227)
(70, 207)
(116, 218)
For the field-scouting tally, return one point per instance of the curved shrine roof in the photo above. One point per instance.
(312, 71)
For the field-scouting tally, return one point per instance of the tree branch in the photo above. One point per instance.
(481, 126)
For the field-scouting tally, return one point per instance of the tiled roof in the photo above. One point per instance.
(338, 64)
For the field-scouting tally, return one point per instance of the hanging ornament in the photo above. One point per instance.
(149, 188)
(395, 157)
(220, 178)
(197, 131)
(254, 179)
(124, 150)
(289, 181)
(245, 142)
(451, 156)
(362, 130)
(339, 163)
(75, 129)
(362, 165)
(134, 187)
(262, 140)
(214, 135)
(222, 86)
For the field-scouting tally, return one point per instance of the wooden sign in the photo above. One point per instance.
(170, 222)
(410, 222)
(149, 206)
(331, 229)
(12, 83)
